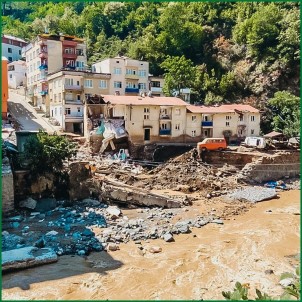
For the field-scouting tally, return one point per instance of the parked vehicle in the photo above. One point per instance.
(257, 142)
(212, 144)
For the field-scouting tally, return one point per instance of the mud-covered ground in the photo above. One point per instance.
(254, 240)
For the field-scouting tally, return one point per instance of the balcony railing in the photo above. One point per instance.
(156, 89)
(44, 92)
(69, 43)
(131, 76)
(165, 117)
(165, 132)
(132, 90)
(75, 102)
(72, 87)
(43, 67)
(207, 124)
(74, 116)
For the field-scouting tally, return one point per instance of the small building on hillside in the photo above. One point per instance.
(12, 47)
(16, 74)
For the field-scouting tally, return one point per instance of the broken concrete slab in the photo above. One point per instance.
(27, 257)
(118, 191)
(113, 211)
(28, 203)
(253, 194)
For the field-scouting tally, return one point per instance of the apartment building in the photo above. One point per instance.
(68, 90)
(12, 47)
(16, 74)
(128, 76)
(48, 54)
(146, 119)
(156, 84)
(235, 122)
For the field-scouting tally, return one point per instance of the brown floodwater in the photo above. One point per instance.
(199, 265)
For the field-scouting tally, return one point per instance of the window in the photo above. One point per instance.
(10, 41)
(20, 52)
(117, 70)
(117, 84)
(54, 84)
(146, 113)
(130, 85)
(79, 65)
(177, 127)
(60, 97)
(241, 118)
(78, 97)
(142, 73)
(194, 118)
(67, 111)
(130, 71)
(10, 76)
(252, 131)
(177, 111)
(79, 109)
(69, 50)
(68, 82)
(10, 59)
(252, 118)
(193, 133)
(228, 117)
(60, 110)
(55, 98)
(88, 84)
(103, 84)
(155, 84)
(55, 110)
(141, 85)
(163, 127)
(205, 132)
(9, 50)
(227, 123)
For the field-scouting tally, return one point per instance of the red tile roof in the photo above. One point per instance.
(222, 109)
(138, 100)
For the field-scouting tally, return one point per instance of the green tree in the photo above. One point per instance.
(46, 153)
(179, 73)
(286, 113)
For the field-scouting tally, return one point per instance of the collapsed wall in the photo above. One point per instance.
(272, 167)
(7, 188)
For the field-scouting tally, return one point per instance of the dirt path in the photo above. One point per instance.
(198, 265)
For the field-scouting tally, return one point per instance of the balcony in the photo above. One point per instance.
(165, 132)
(43, 67)
(69, 43)
(44, 92)
(43, 79)
(156, 89)
(75, 116)
(73, 102)
(207, 124)
(131, 76)
(165, 117)
(69, 55)
(131, 90)
(72, 87)
(80, 52)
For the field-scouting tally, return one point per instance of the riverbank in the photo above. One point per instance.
(197, 265)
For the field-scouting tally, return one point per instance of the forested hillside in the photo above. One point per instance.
(226, 52)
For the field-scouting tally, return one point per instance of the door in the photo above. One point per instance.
(147, 134)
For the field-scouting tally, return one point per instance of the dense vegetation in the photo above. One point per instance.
(231, 52)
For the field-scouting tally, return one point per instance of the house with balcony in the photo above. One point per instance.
(68, 90)
(146, 119)
(47, 54)
(128, 76)
(234, 122)
(156, 84)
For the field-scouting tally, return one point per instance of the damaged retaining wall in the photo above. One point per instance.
(276, 167)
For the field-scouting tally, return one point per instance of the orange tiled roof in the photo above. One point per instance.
(138, 100)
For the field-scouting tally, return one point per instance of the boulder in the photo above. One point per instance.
(168, 237)
(28, 203)
(112, 247)
(155, 249)
(113, 211)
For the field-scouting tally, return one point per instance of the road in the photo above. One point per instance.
(25, 114)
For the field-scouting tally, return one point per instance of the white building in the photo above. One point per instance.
(12, 47)
(128, 76)
(16, 74)
(48, 54)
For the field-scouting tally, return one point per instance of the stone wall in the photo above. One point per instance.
(7, 188)
(266, 168)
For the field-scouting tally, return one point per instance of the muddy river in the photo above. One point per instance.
(199, 265)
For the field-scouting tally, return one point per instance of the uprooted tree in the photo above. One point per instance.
(46, 153)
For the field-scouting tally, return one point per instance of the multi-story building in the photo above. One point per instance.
(12, 47)
(48, 54)
(128, 76)
(146, 119)
(16, 74)
(156, 85)
(67, 91)
(235, 122)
